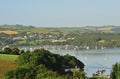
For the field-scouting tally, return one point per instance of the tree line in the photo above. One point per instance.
(13, 51)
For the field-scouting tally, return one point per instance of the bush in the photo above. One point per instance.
(23, 72)
(115, 74)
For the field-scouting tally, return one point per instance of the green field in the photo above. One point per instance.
(7, 63)
(8, 57)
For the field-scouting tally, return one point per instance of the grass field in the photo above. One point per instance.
(7, 62)
(8, 57)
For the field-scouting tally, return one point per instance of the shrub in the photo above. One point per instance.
(115, 74)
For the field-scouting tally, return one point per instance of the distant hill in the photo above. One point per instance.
(117, 29)
(106, 29)
(54, 30)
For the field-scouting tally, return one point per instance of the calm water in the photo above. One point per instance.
(94, 59)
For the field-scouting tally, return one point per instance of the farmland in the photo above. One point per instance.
(7, 62)
(105, 29)
(9, 32)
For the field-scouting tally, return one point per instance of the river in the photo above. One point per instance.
(94, 60)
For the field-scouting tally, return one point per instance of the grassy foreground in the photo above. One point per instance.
(8, 57)
(7, 62)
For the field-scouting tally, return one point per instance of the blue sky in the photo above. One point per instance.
(60, 13)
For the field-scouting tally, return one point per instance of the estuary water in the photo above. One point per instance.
(94, 60)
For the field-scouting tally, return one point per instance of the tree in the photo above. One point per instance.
(115, 74)
(72, 61)
(15, 51)
(77, 74)
(22, 51)
(22, 72)
(7, 50)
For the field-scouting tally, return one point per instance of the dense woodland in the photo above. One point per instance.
(41, 64)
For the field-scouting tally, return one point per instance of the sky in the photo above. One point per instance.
(60, 13)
